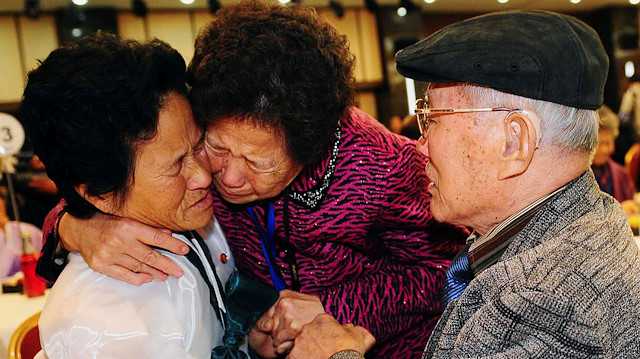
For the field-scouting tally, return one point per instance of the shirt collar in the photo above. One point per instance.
(488, 249)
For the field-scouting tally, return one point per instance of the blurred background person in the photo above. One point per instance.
(612, 177)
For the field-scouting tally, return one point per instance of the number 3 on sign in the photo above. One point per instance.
(11, 135)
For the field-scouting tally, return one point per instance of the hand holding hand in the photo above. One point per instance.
(292, 311)
(260, 336)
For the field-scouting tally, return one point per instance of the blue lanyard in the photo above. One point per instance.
(268, 244)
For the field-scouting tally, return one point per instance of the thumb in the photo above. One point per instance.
(265, 324)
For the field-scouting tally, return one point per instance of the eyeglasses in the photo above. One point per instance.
(424, 113)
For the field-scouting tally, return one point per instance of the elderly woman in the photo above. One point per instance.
(111, 121)
(315, 196)
(612, 177)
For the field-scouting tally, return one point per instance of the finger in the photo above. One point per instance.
(126, 275)
(265, 325)
(136, 266)
(284, 347)
(287, 329)
(155, 259)
(158, 238)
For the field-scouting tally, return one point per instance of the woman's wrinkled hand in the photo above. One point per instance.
(119, 247)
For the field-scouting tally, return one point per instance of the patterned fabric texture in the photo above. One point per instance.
(370, 249)
(568, 286)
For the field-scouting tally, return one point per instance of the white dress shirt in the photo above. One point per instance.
(91, 315)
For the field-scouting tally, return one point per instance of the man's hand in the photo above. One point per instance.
(324, 337)
(119, 247)
(292, 311)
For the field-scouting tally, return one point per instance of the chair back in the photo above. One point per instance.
(25, 341)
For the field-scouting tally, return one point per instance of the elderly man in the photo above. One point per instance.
(509, 128)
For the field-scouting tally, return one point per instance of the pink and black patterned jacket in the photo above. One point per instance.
(362, 233)
(367, 243)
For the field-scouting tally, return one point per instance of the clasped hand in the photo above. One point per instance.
(296, 324)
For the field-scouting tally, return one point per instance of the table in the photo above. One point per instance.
(14, 309)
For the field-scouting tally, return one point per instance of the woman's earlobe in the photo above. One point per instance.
(103, 202)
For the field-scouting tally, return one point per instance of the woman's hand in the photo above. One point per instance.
(119, 247)
(260, 337)
(274, 333)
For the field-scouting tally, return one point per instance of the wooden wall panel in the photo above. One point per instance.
(199, 20)
(366, 101)
(11, 70)
(37, 39)
(175, 29)
(347, 25)
(369, 40)
(131, 27)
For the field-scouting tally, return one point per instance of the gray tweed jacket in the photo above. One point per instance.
(568, 286)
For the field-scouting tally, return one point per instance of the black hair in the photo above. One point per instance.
(88, 105)
(280, 66)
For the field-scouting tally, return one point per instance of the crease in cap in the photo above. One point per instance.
(535, 54)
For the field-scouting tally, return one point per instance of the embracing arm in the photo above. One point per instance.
(115, 246)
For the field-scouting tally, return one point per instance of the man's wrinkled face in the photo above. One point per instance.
(461, 149)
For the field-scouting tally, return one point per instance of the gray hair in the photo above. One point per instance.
(568, 127)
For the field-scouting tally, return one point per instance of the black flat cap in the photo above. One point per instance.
(535, 54)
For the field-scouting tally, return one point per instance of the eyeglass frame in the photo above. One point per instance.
(423, 112)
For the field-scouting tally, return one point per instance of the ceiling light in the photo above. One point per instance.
(284, 1)
(429, 1)
(187, 2)
(80, 2)
(575, 1)
(503, 1)
(402, 11)
(629, 69)
(634, 2)
(32, 8)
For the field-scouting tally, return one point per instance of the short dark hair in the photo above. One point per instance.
(280, 66)
(88, 105)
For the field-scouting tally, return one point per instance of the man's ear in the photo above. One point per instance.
(104, 202)
(521, 138)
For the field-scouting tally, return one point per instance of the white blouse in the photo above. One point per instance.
(91, 315)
